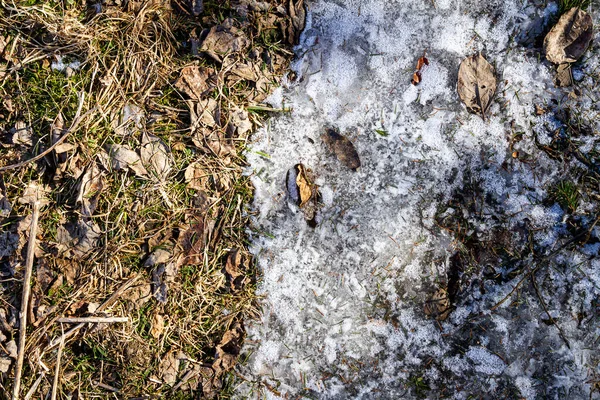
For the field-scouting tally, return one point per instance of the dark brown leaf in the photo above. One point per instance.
(476, 84)
(342, 147)
(569, 38)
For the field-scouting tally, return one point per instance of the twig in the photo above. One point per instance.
(102, 307)
(78, 118)
(91, 320)
(25, 298)
(57, 368)
(552, 321)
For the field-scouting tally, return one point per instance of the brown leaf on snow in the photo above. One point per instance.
(196, 81)
(224, 39)
(438, 306)
(305, 186)
(476, 84)
(569, 38)
(564, 77)
(342, 147)
(303, 192)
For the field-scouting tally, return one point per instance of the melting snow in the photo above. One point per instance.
(342, 313)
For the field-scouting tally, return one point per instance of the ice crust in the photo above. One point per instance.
(342, 309)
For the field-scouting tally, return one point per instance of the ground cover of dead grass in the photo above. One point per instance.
(127, 122)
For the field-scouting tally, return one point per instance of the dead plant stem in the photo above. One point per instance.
(25, 298)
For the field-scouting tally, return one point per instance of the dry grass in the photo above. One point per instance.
(183, 346)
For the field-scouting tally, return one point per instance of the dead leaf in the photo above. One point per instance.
(196, 177)
(438, 306)
(569, 38)
(303, 192)
(564, 76)
(476, 84)
(191, 243)
(156, 156)
(11, 349)
(203, 113)
(416, 78)
(228, 350)
(297, 15)
(90, 187)
(128, 121)
(5, 363)
(35, 191)
(22, 134)
(122, 157)
(169, 368)
(239, 122)
(196, 81)
(44, 275)
(224, 39)
(163, 273)
(304, 185)
(158, 326)
(343, 148)
(77, 240)
(236, 267)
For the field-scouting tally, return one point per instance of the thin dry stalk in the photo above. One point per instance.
(92, 320)
(25, 298)
(57, 368)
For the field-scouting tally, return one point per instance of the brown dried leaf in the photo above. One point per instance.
(196, 81)
(438, 306)
(342, 147)
(156, 156)
(476, 84)
(304, 185)
(235, 267)
(570, 37)
(158, 326)
(192, 242)
(224, 39)
(169, 368)
(196, 177)
(297, 15)
(122, 157)
(564, 77)
(90, 187)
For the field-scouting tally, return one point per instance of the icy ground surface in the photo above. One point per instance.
(343, 308)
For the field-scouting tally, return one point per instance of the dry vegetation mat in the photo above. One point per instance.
(122, 128)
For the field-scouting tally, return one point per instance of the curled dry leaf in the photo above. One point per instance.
(303, 192)
(342, 147)
(90, 187)
(476, 84)
(236, 267)
(569, 38)
(156, 156)
(421, 62)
